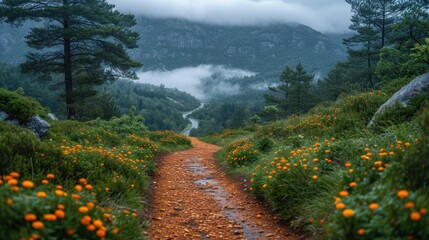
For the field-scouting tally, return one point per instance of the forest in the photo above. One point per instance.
(316, 151)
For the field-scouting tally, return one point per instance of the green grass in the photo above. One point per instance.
(312, 158)
(82, 181)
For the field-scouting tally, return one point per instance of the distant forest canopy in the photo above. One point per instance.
(160, 107)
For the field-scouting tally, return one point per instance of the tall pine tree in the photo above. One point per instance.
(372, 22)
(292, 96)
(83, 40)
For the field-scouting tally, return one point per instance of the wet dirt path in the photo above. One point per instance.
(192, 199)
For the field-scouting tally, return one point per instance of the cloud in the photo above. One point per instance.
(321, 15)
(201, 81)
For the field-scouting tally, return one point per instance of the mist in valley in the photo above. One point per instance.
(203, 81)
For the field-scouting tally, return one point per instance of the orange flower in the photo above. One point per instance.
(409, 205)
(348, 213)
(75, 196)
(50, 176)
(85, 220)
(30, 217)
(37, 225)
(60, 213)
(41, 194)
(340, 206)
(78, 188)
(12, 182)
(82, 180)
(59, 193)
(83, 209)
(115, 230)
(90, 205)
(353, 184)
(61, 206)
(361, 231)
(344, 194)
(415, 216)
(50, 217)
(45, 181)
(314, 177)
(88, 187)
(14, 174)
(423, 211)
(101, 233)
(98, 223)
(9, 201)
(403, 194)
(90, 228)
(373, 206)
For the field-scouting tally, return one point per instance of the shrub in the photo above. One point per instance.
(241, 152)
(264, 144)
(19, 107)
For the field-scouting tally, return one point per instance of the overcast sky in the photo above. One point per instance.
(321, 15)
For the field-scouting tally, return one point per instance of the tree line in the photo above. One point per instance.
(390, 40)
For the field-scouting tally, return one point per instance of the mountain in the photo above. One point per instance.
(175, 43)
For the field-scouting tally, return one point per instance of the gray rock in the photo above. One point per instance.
(37, 125)
(53, 116)
(416, 87)
(3, 116)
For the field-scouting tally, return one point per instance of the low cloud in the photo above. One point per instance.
(202, 81)
(321, 15)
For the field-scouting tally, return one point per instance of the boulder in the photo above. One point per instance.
(37, 125)
(416, 87)
(3, 116)
(53, 116)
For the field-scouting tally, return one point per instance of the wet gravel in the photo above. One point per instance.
(192, 199)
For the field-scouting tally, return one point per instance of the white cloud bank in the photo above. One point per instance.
(321, 15)
(192, 79)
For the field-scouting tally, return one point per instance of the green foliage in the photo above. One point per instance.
(125, 124)
(95, 44)
(293, 94)
(79, 171)
(421, 52)
(264, 144)
(169, 138)
(220, 115)
(18, 106)
(16, 144)
(398, 113)
(241, 153)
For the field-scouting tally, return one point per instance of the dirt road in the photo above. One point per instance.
(194, 200)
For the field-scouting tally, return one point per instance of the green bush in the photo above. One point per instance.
(241, 152)
(16, 145)
(19, 107)
(264, 144)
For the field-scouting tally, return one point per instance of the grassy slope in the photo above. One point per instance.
(82, 181)
(322, 171)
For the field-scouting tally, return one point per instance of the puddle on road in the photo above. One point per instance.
(230, 209)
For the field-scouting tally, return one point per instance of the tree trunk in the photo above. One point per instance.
(68, 79)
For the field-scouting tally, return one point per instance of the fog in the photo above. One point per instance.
(321, 15)
(201, 81)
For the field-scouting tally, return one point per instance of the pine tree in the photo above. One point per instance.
(372, 21)
(293, 94)
(83, 40)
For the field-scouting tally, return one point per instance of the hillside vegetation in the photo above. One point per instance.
(83, 180)
(326, 173)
